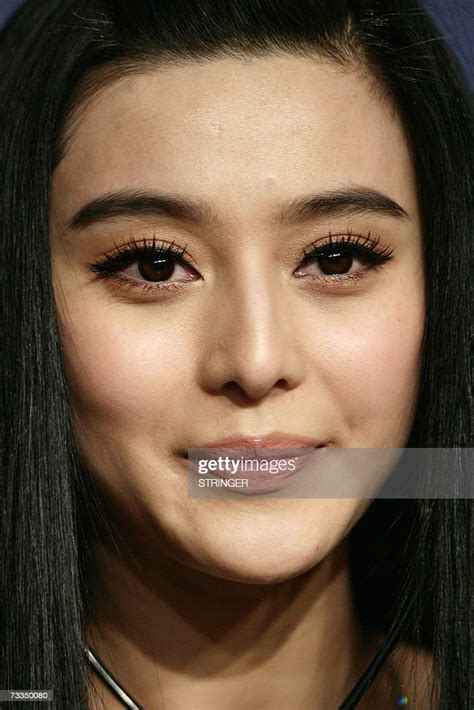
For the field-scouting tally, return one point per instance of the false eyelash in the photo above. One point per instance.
(125, 255)
(358, 244)
(110, 264)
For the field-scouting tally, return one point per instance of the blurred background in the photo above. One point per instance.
(454, 17)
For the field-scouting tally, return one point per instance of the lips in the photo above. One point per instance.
(274, 440)
(261, 446)
(279, 446)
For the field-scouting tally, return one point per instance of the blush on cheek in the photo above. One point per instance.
(378, 380)
(120, 375)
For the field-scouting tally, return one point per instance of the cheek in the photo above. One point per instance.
(375, 372)
(121, 368)
(384, 360)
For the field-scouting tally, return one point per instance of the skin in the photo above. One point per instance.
(242, 603)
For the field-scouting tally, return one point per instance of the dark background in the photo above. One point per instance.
(455, 18)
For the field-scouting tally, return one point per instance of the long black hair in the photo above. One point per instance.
(52, 52)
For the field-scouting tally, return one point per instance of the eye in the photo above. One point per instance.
(346, 256)
(147, 266)
(158, 269)
(336, 262)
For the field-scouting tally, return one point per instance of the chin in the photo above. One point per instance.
(264, 574)
(261, 563)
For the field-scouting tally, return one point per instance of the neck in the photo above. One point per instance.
(175, 637)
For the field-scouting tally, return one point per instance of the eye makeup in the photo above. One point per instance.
(161, 256)
(336, 255)
(158, 261)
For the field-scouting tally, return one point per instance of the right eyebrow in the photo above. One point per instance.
(130, 204)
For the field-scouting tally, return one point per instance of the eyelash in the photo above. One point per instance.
(108, 267)
(354, 245)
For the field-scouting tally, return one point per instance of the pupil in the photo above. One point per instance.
(156, 269)
(331, 264)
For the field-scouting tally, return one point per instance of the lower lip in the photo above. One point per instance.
(264, 481)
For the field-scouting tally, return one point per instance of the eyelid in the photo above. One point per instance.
(129, 252)
(345, 237)
(362, 244)
(134, 246)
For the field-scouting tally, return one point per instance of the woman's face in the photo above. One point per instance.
(241, 334)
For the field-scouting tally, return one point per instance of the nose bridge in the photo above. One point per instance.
(256, 313)
(251, 343)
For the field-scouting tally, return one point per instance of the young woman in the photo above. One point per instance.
(239, 224)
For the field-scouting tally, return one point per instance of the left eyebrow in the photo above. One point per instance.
(346, 201)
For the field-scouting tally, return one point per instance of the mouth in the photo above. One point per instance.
(232, 455)
(273, 440)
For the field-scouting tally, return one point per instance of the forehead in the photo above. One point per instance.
(236, 128)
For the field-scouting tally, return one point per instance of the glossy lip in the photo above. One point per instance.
(263, 447)
(274, 440)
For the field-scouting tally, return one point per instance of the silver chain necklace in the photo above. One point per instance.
(118, 691)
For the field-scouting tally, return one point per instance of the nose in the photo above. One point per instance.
(252, 345)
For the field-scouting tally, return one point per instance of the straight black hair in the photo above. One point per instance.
(52, 53)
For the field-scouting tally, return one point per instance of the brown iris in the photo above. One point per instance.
(156, 269)
(334, 263)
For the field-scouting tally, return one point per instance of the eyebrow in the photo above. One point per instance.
(345, 201)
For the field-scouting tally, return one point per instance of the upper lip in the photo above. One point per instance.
(276, 440)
